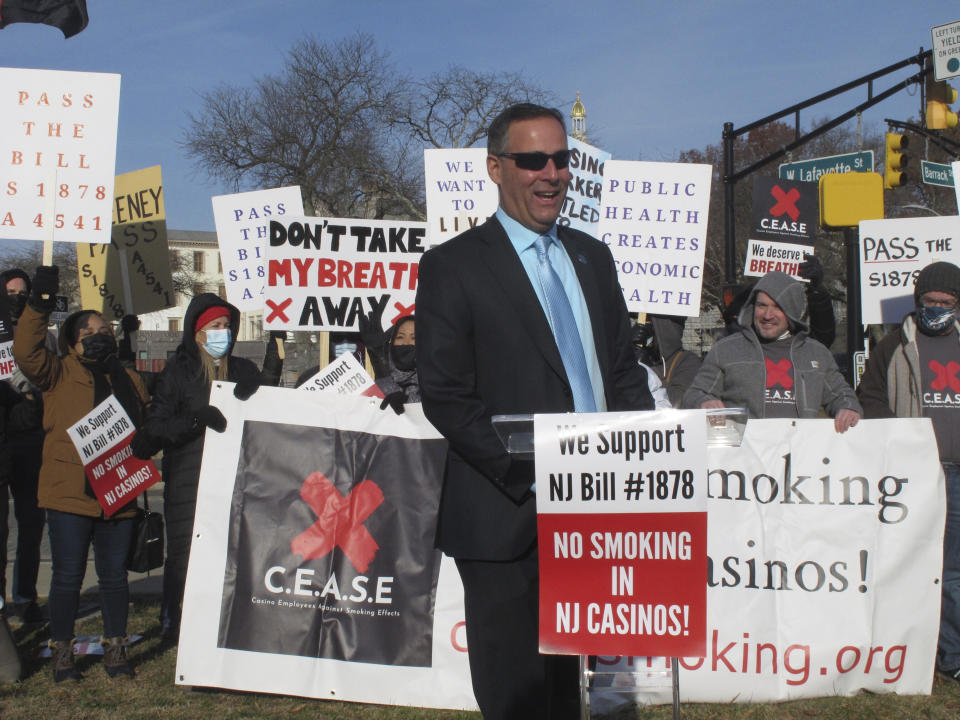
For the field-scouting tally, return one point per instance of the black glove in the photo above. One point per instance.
(130, 324)
(394, 400)
(811, 269)
(46, 282)
(142, 446)
(244, 389)
(375, 340)
(212, 418)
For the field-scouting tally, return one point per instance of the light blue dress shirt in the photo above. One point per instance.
(522, 239)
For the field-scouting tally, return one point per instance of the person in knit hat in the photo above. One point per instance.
(911, 373)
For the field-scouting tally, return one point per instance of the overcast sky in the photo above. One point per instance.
(656, 78)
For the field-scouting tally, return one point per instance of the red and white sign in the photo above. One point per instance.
(102, 439)
(344, 375)
(622, 532)
(7, 364)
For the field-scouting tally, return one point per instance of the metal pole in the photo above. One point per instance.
(675, 672)
(851, 238)
(729, 228)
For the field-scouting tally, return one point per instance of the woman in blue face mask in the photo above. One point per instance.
(177, 420)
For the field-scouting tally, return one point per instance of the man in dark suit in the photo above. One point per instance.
(516, 316)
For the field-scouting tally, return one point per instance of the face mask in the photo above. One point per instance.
(99, 346)
(17, 303)
(342, 348)
(218, 342)
(405, 356)
(935, 320)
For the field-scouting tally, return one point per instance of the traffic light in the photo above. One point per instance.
(939, 98)
(894, 161)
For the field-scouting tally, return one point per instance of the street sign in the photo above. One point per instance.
(811, 170)
(936, 173)
(946, 50)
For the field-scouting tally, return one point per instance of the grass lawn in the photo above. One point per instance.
(152, 694)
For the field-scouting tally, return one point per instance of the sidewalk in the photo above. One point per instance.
(141, 584)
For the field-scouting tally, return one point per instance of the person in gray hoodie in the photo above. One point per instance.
(771, 366)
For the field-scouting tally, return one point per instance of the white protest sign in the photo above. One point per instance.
(58, 141)
(581, 206)
(654, 218)
(242, 221)
(892, 254)
(7, 364)
(346, 376)
(322, 273)
(955, 166)
(460, 193)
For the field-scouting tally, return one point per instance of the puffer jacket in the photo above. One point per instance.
(734, 370)
(68, 395)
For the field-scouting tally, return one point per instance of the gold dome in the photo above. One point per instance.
(578, 110)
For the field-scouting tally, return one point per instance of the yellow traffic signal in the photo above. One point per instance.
(894, 161)
(939, 98)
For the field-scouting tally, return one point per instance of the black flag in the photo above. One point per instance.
(68, 15)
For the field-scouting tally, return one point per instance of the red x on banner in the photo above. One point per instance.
(778, 373)
(786, 202)
(277, 310)
(945, 375)
(402, 311)
(339, 521)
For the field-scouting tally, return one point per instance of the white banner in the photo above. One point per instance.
(654, 218)
(346, 376)
(765, 256)
(322, 273)
(460, 193)
(58, 141)
(892, 254)
(242, 222)
(581, 206)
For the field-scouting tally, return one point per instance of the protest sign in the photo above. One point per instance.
(785, 217)
(341, 608)
(322, 273)
(622, 532)
(955, 167)
(581, 206)
(131, 274)
(654, 218)
(102, 439)
(58, 139)
(346, 376)
(460, 193)
(892, 254)
(824, 565)
(242, 221)
(7, 364)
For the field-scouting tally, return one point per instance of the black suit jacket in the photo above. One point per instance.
(485, 348)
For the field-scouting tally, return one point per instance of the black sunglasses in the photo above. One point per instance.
(538, 160)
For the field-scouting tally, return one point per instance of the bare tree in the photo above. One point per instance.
(26, 255)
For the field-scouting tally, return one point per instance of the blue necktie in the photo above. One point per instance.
(565, 330)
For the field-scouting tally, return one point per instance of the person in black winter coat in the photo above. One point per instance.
(178, 418)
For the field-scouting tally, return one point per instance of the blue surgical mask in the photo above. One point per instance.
(218, 342)
(341, 348)
(935, 320)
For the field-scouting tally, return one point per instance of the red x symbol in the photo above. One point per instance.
(786, 202)
(778, 373)
(402, 311)
(278, 310)
(339, 521)
(945, 375)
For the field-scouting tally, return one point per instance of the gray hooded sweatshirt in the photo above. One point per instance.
(734, 371)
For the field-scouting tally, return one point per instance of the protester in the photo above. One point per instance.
(178, 418)
(770, 366)
(85, 374)
(23, 420)
(393, 355)
(912, 374)
(659, 346)
(516, 315)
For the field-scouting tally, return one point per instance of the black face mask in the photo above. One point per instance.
(405, 356)
(17, 302)
(99, 346)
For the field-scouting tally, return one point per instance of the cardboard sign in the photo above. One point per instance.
(242, 222)
(58, 141)
(622, 532)
(785, 216)
(322, 273)
(345, 376)
(102, 439)
(460, 193)
(654, 218)
(892, 253)
(130, 275)
(581, 206)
